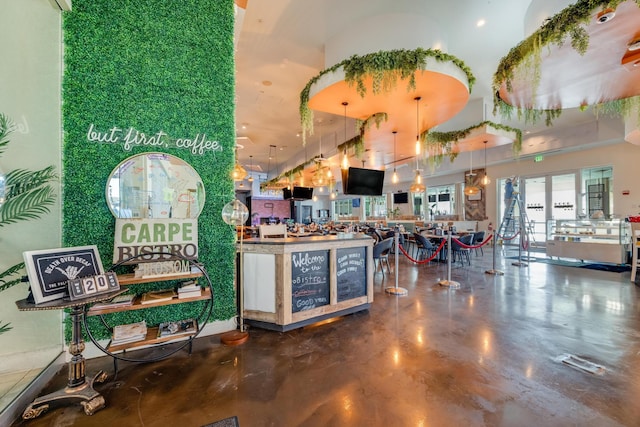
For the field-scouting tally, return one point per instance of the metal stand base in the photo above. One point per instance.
(495, 272)
(396, 291)
(232, 338)
(90, 399)
(449, 283)
(520, 264)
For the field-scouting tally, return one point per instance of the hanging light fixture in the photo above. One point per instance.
(238, 173)
(394, 178)
(485, 179)
(417, 186)
(251, 169)
(417, 99)
(345, 159)
(470, 188)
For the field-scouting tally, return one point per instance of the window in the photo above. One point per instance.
(597, 192)
(418, 204)
(441, 201)
(375, 206)
(342, 208)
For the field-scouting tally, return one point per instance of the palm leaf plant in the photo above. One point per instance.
(28, 196)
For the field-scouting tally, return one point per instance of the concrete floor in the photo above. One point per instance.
(487, 354)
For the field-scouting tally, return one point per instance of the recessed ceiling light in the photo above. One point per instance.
(605, 16)
(480, 23)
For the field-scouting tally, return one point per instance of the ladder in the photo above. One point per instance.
(513, 222)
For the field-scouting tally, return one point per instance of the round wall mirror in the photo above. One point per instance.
(155, 185)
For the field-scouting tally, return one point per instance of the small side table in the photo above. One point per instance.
(78, 387)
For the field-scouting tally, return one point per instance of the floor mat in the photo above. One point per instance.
(615, 268)
(227, 422)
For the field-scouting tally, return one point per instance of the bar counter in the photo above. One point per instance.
(296, 281)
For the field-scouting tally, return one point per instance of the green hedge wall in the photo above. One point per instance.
(154, 66)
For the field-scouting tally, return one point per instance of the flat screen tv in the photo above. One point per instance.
(364, 182)
(400, 198)
(302, 193)
(286, 193)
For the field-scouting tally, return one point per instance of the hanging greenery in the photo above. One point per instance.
(438, 145)
(385, 68)
(567, 24)
(356, 144)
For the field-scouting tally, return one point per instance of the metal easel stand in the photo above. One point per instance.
(395, 290)
(493, 270)
(448, 282)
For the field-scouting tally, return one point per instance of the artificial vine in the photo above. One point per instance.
(356, 144)
(567, 24)
(439, 145)
(385, 68)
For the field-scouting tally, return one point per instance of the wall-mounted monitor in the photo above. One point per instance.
(400, 198)
(302, 193)
(364, 182)
(286, 193)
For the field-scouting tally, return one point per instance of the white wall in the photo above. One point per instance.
(30, 83)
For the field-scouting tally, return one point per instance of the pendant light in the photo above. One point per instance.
(469, 188)
(238, 173)
(485, 179)
(345, 159)
(394, 178)
(417, 186)
(417, 99)
(251, 169)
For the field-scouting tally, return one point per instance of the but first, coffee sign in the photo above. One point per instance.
(152, 240)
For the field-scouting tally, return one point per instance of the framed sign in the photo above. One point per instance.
(50, 270)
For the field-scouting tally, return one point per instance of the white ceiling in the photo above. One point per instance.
(281, 44)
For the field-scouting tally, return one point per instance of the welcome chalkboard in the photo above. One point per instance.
(351, 272)
(309, 280)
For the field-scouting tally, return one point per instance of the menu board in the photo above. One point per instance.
(309, 280)
(351, 272)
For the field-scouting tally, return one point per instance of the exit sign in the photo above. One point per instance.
(538, 158)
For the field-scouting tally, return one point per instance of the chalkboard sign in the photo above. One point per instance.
(309, 280)
(351, 272)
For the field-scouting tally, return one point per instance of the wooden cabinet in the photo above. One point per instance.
(293, 282)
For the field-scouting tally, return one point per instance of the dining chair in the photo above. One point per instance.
(459, 252)
(423, 245)
(381, 254)
(478, 238)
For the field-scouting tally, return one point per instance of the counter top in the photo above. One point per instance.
(313, 238)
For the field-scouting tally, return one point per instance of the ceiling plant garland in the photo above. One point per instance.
(568, 24)
(385, 68)
(438, 145)
(356, 144)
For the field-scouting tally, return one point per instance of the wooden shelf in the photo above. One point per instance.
(151, 339)
(206, 294)
(130, 279)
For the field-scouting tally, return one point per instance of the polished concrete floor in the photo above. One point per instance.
(488, 354)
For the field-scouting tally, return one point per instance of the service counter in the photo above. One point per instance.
(296, 281)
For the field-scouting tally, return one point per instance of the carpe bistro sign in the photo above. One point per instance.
(155, 239)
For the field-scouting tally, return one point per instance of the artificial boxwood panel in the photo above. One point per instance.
(154, 66)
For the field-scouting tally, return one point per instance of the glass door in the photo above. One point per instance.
(534, 200)
(563, 196)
